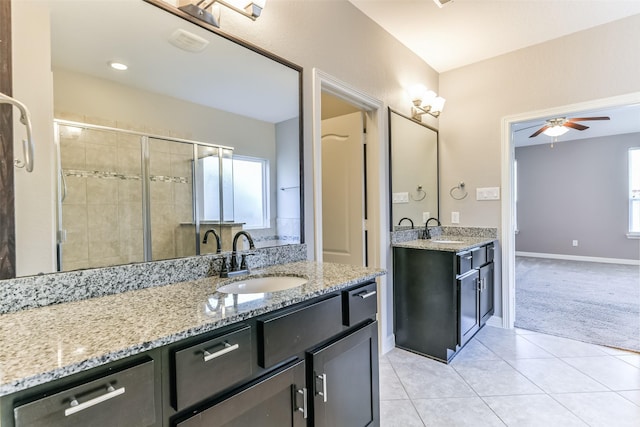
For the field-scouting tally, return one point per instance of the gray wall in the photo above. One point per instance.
(577, 190)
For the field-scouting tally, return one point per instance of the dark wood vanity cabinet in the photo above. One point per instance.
(441, 299)
(311, 364)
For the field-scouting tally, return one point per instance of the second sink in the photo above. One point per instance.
(258, 285)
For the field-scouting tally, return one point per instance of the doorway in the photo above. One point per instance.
(344, 209)
(509, 210)
(377, 193)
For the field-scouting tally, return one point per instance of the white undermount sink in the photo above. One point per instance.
(445, 241)
(259, 285)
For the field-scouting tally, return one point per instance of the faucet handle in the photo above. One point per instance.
(224, 270)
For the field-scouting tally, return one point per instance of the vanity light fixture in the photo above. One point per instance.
(441, 3)
(425, 102)
(249, 8)
(118, 66)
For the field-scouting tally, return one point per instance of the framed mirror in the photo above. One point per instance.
(413, 157)
(148, 131)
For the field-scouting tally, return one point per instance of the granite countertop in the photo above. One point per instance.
(47, 343)
(462, 243)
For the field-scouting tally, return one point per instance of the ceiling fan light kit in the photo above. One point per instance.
(560, 125)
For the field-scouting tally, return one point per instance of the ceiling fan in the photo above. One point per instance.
(560, 125)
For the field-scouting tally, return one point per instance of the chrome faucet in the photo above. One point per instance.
(408, 219)
(206, 236)
(427, 234)
(243, 268)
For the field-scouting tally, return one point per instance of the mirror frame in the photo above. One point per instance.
(390, 112)
(7, 190)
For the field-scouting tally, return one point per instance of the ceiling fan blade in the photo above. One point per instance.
(581, 119)
(539, 131)
(575, 126)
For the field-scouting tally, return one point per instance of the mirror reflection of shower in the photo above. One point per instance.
(126, 196)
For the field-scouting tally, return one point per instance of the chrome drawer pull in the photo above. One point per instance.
(77, 407)
(227, 349)
(366, 295)
(470, 257)
(323, 393)
(303, 392)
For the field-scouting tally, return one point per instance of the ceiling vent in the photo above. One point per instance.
(441, 3)
(188, 41)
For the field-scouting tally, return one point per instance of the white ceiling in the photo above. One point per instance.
(86, 35)
(467, 31)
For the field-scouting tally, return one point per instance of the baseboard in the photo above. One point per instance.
(495, 321)
(580, 258)
(388, 344)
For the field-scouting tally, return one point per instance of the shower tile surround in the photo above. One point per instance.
(108, 164)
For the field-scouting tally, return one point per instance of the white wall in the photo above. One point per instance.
(34, 197)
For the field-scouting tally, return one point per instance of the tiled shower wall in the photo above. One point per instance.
(102, 211)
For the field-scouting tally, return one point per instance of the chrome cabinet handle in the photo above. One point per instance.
(323, 393)
(469, 257)
(227, 349)
(366, 294)
(478, 285)
(77, 407)
(303, 392)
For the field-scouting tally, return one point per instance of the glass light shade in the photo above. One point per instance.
(259, 3)
(437, 105)
(416, 92)
(428, 98)
(556, 130)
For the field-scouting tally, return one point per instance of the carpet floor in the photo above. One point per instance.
(591, 302)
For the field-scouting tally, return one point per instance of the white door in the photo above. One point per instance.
(343, 234)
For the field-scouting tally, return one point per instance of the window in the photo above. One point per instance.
(245, 191)
(634, 191)
(250, 191)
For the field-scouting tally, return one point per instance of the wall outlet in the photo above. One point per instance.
(575, 243)
(455, 217)
(426, 216)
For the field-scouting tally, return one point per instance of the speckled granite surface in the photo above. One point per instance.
(39, 291)
(460, 238)
(75, 336)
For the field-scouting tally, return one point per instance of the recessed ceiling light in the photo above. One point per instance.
(118, 66)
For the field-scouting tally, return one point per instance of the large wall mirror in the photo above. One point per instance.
(413, 156)
(200, 132)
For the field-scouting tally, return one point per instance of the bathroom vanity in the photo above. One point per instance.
(187, 355)
(443, 292)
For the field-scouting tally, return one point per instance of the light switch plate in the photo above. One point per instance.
(400, 198)
(488, 193)
(455, 217)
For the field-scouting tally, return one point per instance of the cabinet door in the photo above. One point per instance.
(344, 379)
(486, 292)
(468, 299)
(277, 401)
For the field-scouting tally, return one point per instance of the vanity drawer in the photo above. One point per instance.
(479, 257)
(205, 369)
(359, 304)
(123, 398)
(285, 334)
(463, 262)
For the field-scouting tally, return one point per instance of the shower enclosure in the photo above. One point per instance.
(126, 196)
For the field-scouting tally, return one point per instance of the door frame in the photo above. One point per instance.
(507, 233)
(377, 186)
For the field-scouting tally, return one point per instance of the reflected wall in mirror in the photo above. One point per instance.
(413, 156)
(225, 94)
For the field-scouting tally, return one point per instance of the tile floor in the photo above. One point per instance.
(514, 378)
